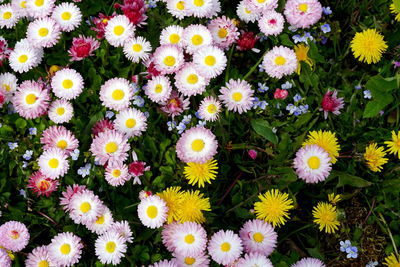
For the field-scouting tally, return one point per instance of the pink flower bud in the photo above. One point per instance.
(252, 153)
(280, 94)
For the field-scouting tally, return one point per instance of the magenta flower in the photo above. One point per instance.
(331, 103)
(252, 153)
(82, 47)
(280, 93)
(175, 105)
(135, 10)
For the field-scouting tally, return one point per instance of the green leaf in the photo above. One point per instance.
(348, 179)
(372, 109)
(20, 123)
(263, 128)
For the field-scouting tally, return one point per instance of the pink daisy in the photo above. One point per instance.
(31, 100)
(119, 30)
(271, 23)
(85, 207)
(237, 96)
(158, 89)
(117, 174)
(53, 163)
(102, 223)
(312, 164)
(14, 236)
(209, 109)
(39, 257)
(164, 263)
(196, 36)
(280, 61)
(8, 16)
(258, 237)
(68, 194)
(152, 211)
(200, 9)
(198, 260)
(60, 137)
(5, 260)
(67, 84)
(223, 31)
(131, 122)
(65, 249)
(196, 144)
(82, 47)
(254, 259)
(168, 58)
(123, 229)
(303, 13)
(309, 262)
(39, 9)
(61, 111)
(20, 7)
(189, 82)
(166, 235)
(110, 146)
(116, 94)
(331, 103)
(260, 6)
(42, 185)
(225, 247)
(110, 248)
(102, 126)
(43, 32)
(175, 105)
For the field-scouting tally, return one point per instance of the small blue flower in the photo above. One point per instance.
(344, 245)
(381, 112)
(324, 40)
(28, 155)
(12, 145)
(201, 123)
(297, 39)
(292, 28)
(263, 38)
(181, 127)
(326, 28)
(308, 35)
(261, 68)
(357, 87)
(138, 101)
(197, 114)
(75, 154)
(327, 10)
(262, 104)
(24, 164)
(85, 170)
(152, 3)
(262, 88)
(171, 125)
(10, 109)
(367, 94)
(287, 85)
(303, 108)
(135, 87)
(372, 264)
(291, 108)
(22, 193)
(187, 119)
(109, 114)
(146, 114)
(33, 131)
(297, 98)
(352, 252)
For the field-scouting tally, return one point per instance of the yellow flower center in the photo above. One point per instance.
(130, 123)
(222, 33)
(43, 263)
(180, 5)
(53, 163)
(100, 220)
(158, 88)
(137, 48)
(261, 1)
(247, 11)
(152, 212)
(197, 39)
(279, 60)
(210, 61)
(190, 260)
(303, 7)
(119, 30)
(23, 4)
(66, 15)
(116, 173)
(7, 15)
(110, 246)
(118, 94)
(198, 3)
(67, 84)
(30, 99)
(225, 247)
(43, 32)
(39, 2)
(111, 147)
(258, 237)
(65, 249)
(314, 162)
(237, 96)
(60, 111)
(198, 145)
(6, 87)
(85, 207)
(192, 79)
(169, 61)
(22, 58)
(212, 108)
(174, 38)
(62, 144)
(189, 239)
(14, 234)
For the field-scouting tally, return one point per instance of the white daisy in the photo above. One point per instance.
(53, 163)
(209, 109)
(123, 229)
(216, 8)
(118, 30)
(210, 61)
(158, 89)
(110, 248)
(65, 249)
(102, 223)
(8, 16)
(225, 247)
(196, 36)
(23, 58)
(177, 8)
(262, 5)
(245, 13)
(254, 259)
(43, 32)
(199, 8)
(131, 122)
(8, 84)
(168, 58)
(152, 211)
(68, 16)
(61, 111)
(189, 238)
(271, 23)
(20, 7)
(172, 35)
(85, 207)
(67, 84)
(258, 236)
(199, 260)
(237, 96)
(117, 173)
(24, 44)
(189, 82)
(39, 8)
(137, 49)
(116, 94)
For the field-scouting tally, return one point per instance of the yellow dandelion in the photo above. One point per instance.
(301, 51)
(198, 173)
(392, 261)
(192, 207)
(325, 139)
(325, 215)
(375, 157)
(274, 207)
(173, 197)
(395, 9)
(368, 46)
(334, 199)
(394, 145)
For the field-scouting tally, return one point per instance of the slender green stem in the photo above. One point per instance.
(390, 234)
(229, 63)
(253, 68)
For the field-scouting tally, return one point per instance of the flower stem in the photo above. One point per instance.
(390, 234)
(253, 68)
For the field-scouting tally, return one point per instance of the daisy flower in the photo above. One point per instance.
(137, 49)
(312, 164)
(19, 6)
(196, 36)
(325, 215)
(172, 35)
(116, 94)
(65, 249)
(117, 174)
(173, 197)
(368, 46)
(225, 247)
(67, 84)
(70, 191)
(110, 146)
(199, 260)
(273, 207)
(85, 207)
(309, 262)
(245, 13)
(158, 89)
(8, 16)
(61, 111)
(209, 109)
(39, 8)
(177, 8)
(43, 32)
(31, 100)
(131, 122)
(192, 206)
(331, 103)
(42, 185)
(164, 263)
(68, 16)
(223, 31)
(168, 58)
(271, 23)
(123, 229)
(110, 248)
(102, 126)
(199, 8)
(82, 47)
(53, 163)
(118, 30)
(258, 237)
(14, 236)
(237, 96)
(375, 157)
(199, 173)
(262, 6)
(23, 58)
(102, 223)
(152, 211)
(280, 61)
(210, 61)
(326, 140)
(59, 137)
(393, 145)
(197, 144)
(166, 236)
(254, 259)
(175, 104)
(303, 13)
(189, 82)
(8, 84)
(187, 239)
(5, 260)
(39, 257)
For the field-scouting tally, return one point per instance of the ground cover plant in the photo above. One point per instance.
(199, 133)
